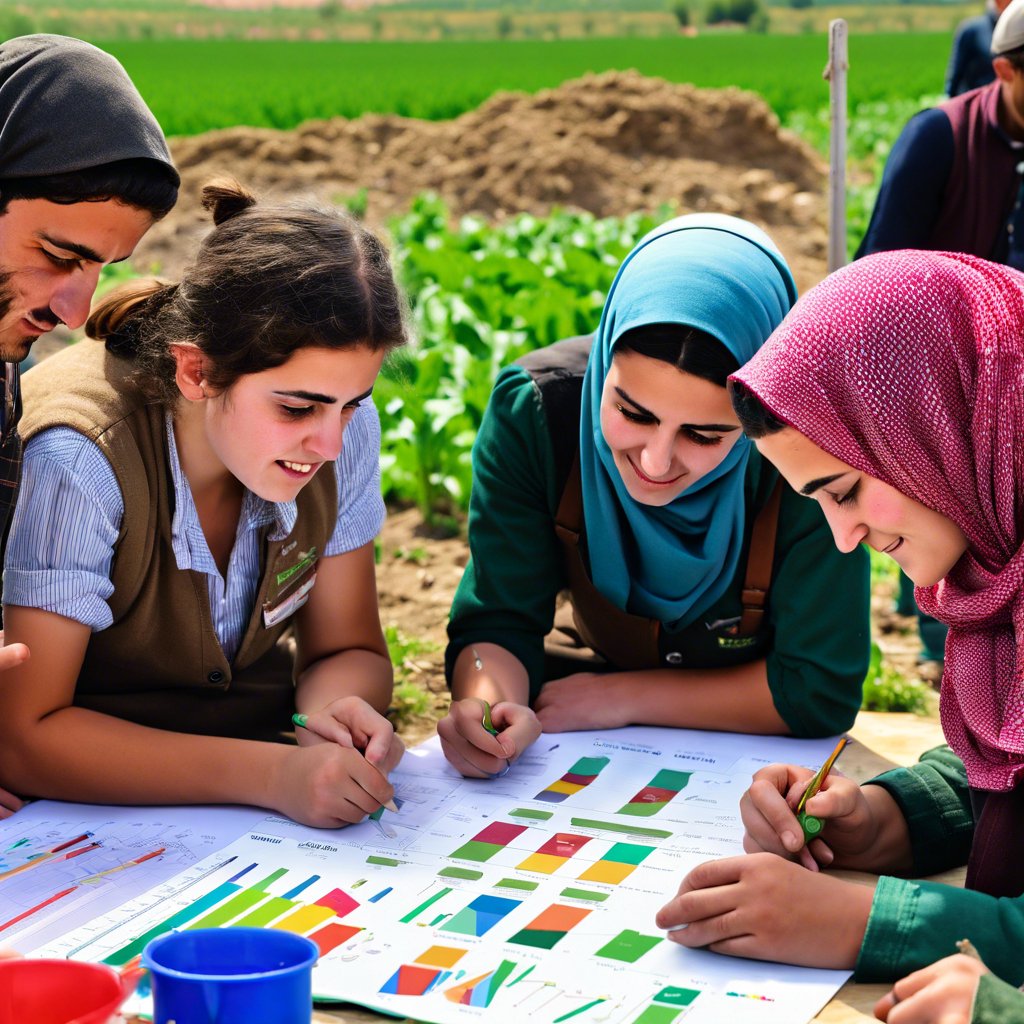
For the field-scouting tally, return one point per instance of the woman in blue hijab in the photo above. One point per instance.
(703, 592)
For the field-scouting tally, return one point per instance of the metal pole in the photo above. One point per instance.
(835, 73)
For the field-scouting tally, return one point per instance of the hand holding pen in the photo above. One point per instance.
(788, 809)
(351, 723)
(484, 733)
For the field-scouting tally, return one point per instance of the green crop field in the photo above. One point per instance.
(196, 85)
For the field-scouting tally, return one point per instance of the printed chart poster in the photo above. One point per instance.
(61, 864)
(529, 895)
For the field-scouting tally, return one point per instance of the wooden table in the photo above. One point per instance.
(881, 741)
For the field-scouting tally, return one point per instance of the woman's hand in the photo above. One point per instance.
(327, 785)
(472, 750)
(853, 821)
(942, 993)
(351, 722)
(767, 908)
(584, 700)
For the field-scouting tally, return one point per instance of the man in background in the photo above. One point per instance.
(84, 173)
(970, 63)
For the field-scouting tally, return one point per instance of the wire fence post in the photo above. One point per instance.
(835, 73)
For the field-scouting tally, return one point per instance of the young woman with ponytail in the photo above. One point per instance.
(192, 560)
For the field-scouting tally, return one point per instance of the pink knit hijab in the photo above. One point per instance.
(909, 366)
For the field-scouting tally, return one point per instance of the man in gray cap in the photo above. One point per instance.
(84, 173)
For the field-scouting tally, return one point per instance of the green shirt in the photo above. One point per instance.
(817, 611)
(913, 923)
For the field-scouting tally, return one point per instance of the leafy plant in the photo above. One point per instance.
(481, 296)
(409, 699)
(885, 689)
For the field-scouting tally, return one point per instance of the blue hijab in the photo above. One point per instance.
(724, 276)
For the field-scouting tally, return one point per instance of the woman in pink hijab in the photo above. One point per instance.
(893, 394)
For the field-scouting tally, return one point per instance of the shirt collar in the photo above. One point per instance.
(191, 550)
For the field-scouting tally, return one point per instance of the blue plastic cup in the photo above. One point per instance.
(231, 976)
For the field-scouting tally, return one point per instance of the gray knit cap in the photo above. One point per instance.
(67, 106)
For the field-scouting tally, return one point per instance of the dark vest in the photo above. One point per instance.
(628, 641)
(983, 179)
(160, 663)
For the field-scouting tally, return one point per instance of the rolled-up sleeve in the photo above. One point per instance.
(65, 525)
(360, 504)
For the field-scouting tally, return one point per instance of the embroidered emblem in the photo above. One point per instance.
(306, 559)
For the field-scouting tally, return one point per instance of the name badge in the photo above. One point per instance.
(273, 614)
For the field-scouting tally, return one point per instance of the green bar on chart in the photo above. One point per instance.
(416, 911)
(630, 830)
(585, 894)
(265, 913)
(467, 873)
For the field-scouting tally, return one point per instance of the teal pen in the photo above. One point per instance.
(301, 720)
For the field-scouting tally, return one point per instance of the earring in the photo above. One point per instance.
(202, 387)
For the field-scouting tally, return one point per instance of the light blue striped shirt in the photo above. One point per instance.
(69, 514)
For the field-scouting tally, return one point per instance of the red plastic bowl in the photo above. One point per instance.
(60, 992)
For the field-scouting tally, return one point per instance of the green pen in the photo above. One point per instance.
(488, 725)
(301, 720)
(811, 825)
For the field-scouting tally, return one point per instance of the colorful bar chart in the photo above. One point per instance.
(554, 853)
(578, 777)
(664, 787)
(430, 969)
(481, 915)
(628, 946)
(549, 928)
(617, 864)
(667, 1006)
(485, 844)
(481, 990)
(231, 905)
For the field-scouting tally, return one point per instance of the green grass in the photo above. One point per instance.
(196, 85)
(409, 699)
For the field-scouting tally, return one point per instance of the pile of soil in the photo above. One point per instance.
(609, 143)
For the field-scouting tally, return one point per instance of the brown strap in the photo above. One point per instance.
(569, 517)
(759, 564)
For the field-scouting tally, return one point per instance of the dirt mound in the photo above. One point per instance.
(609, 143)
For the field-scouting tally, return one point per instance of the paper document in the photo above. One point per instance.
(530, 895)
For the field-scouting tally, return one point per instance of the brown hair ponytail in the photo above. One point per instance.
(268, 280)
(118, 317)
(225, 198)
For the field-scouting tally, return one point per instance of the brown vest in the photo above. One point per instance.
(160, 663)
